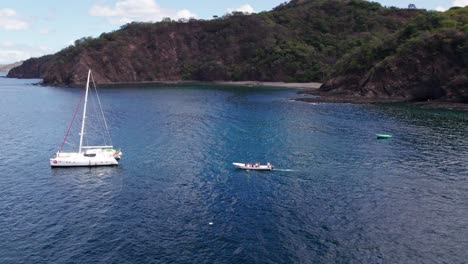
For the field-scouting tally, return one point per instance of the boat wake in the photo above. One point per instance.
(284, 170)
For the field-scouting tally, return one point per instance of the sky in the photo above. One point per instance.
(32, 28)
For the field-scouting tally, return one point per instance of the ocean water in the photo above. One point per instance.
(339, 196)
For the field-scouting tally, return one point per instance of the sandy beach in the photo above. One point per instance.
(309, 86)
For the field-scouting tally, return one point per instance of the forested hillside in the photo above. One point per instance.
(426, 60)
(299, 41)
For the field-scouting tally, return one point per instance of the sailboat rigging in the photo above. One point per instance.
(87, 156)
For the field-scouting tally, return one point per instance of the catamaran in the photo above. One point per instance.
(87, 156)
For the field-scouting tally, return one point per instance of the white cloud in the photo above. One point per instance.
(244, 9)
(11, 52)
(9, 20)
(185, 14)
(44, 31)
(461, 3)
(121, 21)
(125, 11)
(44, 48)
(11, 56)
(7, 44)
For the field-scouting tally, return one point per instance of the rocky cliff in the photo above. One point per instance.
(299, 41)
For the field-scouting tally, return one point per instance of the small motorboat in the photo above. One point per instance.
(255, 166)
(383, 136)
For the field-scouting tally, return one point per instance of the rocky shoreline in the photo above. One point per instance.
(308, 89)
(324, 97)
(311, 86)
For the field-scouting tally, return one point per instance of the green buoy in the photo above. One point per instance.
(383, 136)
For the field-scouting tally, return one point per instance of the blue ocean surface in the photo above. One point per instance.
(339, 194)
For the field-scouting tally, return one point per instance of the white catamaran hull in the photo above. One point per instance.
(88, 162)
(92, 158)
(87, 155)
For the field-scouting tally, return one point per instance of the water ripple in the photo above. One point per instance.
(342, 195)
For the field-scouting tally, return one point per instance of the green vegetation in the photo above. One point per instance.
(298, 41)
(358, 48)
(426, 59)
(415, 33)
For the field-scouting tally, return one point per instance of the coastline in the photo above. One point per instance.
(306, 86)
(311, 89)
(309, 85)
(349, 99)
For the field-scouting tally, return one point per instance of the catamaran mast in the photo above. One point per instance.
(84, 112)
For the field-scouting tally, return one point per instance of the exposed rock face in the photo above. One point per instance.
(296, 42)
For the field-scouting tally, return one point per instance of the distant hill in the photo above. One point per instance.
(8, 67)
(299, 41)
(425, 60)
